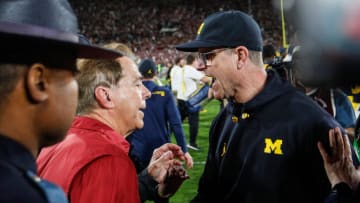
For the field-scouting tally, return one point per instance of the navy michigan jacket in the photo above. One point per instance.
(265, 150)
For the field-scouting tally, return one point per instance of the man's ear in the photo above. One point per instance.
(103, 97)
(242, 55)
(37, 83)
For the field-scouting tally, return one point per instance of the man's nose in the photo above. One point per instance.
(146, 94)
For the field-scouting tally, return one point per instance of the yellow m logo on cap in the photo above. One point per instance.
(274, 147)
(355, 90)
(200, 28)
(234, 119)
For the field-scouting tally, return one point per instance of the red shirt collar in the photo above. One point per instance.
(82, 122)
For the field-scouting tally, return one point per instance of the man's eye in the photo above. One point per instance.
(209, 56)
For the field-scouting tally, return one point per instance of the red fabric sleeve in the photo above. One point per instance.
(108, 179)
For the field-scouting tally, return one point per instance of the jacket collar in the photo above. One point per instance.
(16, 154)
(274, 87)
(149, 84)
(83, 122)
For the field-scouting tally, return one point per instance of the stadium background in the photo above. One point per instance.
(153, 27)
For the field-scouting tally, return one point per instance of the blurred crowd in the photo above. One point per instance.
(152, 28)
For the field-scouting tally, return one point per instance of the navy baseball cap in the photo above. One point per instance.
(226, 29)
(147, 68)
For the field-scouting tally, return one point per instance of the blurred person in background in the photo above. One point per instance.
(169, 66)
(191, 78)
(176, 75)
(269, 54)
(333, 100)
(333, 60)
(38, 91)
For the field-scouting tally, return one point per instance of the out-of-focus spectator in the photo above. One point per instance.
(269, 54)
(167, 22)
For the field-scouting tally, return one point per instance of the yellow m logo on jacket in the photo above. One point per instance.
(161, 93)
(273, 147)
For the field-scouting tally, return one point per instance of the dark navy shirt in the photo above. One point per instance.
(18, 180)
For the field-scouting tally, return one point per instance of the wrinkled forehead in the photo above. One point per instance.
(129, 68)
(126, 62)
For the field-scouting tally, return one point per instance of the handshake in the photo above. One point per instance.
(166, 169)
(175, 177)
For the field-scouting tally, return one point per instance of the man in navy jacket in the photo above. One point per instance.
(263, 144)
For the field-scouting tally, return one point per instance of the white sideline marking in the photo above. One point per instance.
(200, 162)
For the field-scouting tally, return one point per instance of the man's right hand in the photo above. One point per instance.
(175, 177)
(339, 164)
(162, 159)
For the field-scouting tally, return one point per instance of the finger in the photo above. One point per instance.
(333, 144)
(339, 144)
(158, 168)
(174, 148)
(182, 172)
(176, 163)
(156, 154)
(186, 176)
(173, 171)
(164, 148)
(347, 148)
(189, 164)
(188, 160)
(331, 139)
(323, 152)
(164, 163)
(179, 154)
(166, 156)
(162, 176)
(169, 146)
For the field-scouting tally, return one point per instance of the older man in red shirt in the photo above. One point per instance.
(92, 163)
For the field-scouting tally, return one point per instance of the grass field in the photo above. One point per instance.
(189, 187)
